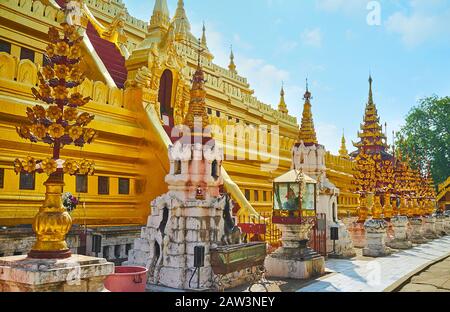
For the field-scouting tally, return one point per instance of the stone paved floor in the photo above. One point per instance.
(362, 274)
(434, 279)
(375, 275)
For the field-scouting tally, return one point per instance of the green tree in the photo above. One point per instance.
(426, 137)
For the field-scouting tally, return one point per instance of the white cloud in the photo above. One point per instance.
(312, 37)
(414, 29)
(426, 20)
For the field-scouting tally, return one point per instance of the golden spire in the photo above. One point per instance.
(197, 105)
(232, 66)
(370, 102)
(307, 131)
(343, 152)
(160, 17)
(282, 107)
(204, 35)
(180, 22)
(372, 138)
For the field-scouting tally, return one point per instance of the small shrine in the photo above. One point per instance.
(294, 212)
(309, 156)
(191, 241)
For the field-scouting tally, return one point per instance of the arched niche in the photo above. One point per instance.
(165, 96)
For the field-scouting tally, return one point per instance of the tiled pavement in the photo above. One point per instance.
(377, 274)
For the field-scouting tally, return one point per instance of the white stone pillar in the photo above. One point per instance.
(416, 231)
(375, 239)
(430, 228)
(111, 255)
(123, 252)
(400, 241)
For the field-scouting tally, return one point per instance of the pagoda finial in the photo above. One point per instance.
(307, 131)
(161, 16)
(232, 66)
(204, 43)
(180, 22)
(307, 96)
(343, 152)
(197, 105)
(282, 107)
(370, 102)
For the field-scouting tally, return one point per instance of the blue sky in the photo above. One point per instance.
(331, 43)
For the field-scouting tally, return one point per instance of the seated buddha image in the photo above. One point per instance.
(292, 201)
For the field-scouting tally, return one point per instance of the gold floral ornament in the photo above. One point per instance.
(53, 34)
(62, 48)
(84, 119)
(39, 111)
(53, 112)
(24, 132)
(70, 114)
(30, 114)
(75, 51)
(75, 132)
(48, 72)
(70, 32)
(40, 131)
(86, 167)
(44, 92)
(89, 136)
(50, 50)
(60, 92)
(56, 131)
(29, 164)
(18, 166)
(62, 71)
(70, 166)
(76, 99)
(76, 74)
(49, 166)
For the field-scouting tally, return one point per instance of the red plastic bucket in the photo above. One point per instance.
(127, 279)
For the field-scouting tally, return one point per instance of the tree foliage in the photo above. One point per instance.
(425, 138)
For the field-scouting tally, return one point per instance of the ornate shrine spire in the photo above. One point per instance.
(181, 24)
(197, 105)
(161, 16)
(343, 152)
(232, 66)
(307, 131)
(282, 107)
(372, 138)
(204, 42)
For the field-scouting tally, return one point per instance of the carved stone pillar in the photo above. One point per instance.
(416, 231)
(430, 227)
(400, 241)
(375, 239)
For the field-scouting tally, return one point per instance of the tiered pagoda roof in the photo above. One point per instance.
(307, 131)
(372, 138)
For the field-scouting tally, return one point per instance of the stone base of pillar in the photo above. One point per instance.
(375, 239)
(417, 236)
(429, 231)
(75, 274)
(447, 224)
(358, 235)
(400, 227)
(440, 225)
(285, 263)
